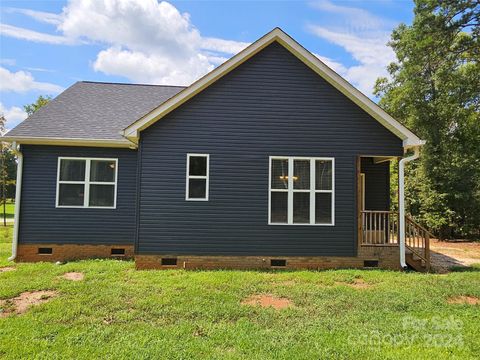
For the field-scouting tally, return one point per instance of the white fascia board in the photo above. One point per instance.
(70, 142)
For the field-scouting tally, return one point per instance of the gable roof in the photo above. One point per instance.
(91, 113)
(409, 139)
(114, 114)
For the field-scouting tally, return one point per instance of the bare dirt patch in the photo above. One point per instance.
(7, 268)
(21, 303)
(448, 254)
(266, 301)
(356, 284)
(464, 299)
(73, 276)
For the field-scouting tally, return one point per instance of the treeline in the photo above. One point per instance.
(434, 89)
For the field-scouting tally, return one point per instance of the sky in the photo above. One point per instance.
(47, 46)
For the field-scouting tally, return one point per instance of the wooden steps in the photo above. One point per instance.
(415, 262)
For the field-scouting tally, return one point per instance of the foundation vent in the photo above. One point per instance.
(169, 261)
(45, 251)
(278, 262)
(370, 263)
(117, 252)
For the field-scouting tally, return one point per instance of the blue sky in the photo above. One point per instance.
(46, 46)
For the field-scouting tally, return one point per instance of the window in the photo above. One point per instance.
(197, 177)
(301, 191)
(87, 182)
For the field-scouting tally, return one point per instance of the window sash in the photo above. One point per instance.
(291, 190)
(205, 177)
(86, 183)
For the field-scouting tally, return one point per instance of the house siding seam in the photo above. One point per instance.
(41, 222)
(272, 105)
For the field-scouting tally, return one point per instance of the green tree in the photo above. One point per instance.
(41, 101)
(8, 165)
(434, 89)
(7, 170)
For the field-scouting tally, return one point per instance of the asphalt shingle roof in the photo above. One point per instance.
(94, 110)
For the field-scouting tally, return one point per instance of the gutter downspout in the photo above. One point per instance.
(401, 202)
(18, 193)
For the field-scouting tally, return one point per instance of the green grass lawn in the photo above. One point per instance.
(117, 312)
(9, 210)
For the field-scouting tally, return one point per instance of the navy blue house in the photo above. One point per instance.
(270, 160)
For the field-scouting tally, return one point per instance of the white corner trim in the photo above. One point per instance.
(409, 139)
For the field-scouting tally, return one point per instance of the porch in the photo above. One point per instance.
(378, 225)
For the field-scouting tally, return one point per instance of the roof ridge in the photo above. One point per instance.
(133, 84)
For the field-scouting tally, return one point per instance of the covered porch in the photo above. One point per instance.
(378, 216)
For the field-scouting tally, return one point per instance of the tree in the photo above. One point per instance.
(41, 101)
(434, 90)
(8, 166)
(6, 156)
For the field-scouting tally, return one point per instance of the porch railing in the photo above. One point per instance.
(417, 240)
(379, 227)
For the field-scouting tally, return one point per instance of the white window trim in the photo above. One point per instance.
(87, 183)
(206, 177)
(290, 189)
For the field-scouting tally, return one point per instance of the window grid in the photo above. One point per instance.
(291, 190)
(86, 182)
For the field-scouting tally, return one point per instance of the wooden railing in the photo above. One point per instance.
(379, 228)
(417, 240)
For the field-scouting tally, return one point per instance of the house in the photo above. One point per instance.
(272, 160)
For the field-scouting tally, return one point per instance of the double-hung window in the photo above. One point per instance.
(197, 177)
(301, 191)
(87, 182)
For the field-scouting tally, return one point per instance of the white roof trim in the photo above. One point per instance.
(409, 138)
(69, 141)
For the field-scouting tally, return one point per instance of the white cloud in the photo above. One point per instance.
(368, 48)
(14, 115)
(356, 19)
(22, 81)
(30, 35)
(224, 46)
(145, 40)
(8, 62)
(152, 68)
(46, 17)
(334, 65)
(364, 37)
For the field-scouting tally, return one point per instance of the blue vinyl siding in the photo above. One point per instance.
(42, 222)
(272, 105)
